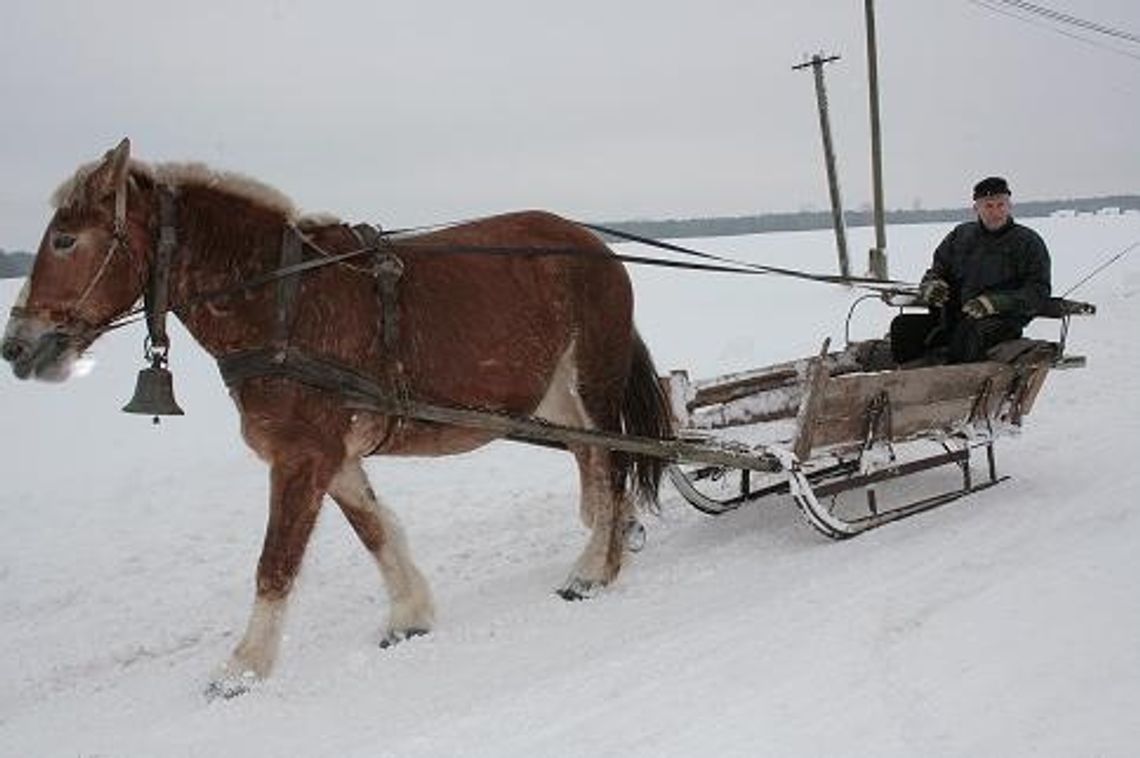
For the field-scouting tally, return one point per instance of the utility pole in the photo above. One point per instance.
(817, 62)
(878, 255)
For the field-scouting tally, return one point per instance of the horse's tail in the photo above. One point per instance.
(645, 413)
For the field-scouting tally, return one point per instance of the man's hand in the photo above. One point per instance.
(934, 291)
(979, 307)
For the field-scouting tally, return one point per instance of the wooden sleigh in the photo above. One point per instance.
(847, 426)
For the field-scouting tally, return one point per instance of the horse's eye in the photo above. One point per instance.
(62, 243)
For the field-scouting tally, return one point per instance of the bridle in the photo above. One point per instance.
(120, 239)
(70, 320)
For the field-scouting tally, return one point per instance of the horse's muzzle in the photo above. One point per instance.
(46, 358)
(13, 349)
(18, 352)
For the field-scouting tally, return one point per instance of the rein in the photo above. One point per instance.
(387, 242)
(879, 285)
(719, 264)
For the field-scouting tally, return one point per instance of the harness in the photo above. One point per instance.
(280, 358)
(284, 360)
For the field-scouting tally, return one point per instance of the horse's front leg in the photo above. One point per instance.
(297, 486)
(410, 604)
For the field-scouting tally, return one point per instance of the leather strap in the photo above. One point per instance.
(292, 250)
(388, 269)
(157, 298)
(291, 363)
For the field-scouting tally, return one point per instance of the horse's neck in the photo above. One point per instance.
(223, 245)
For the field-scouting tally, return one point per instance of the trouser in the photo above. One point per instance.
(964, 339)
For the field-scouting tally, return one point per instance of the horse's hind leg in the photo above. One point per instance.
(604, 508)
(606, 511)
(410, 604)
(297, 486)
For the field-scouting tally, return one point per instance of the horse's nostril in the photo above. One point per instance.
(12, 350)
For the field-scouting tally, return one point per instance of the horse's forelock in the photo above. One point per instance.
(76, 192)
(73, 193)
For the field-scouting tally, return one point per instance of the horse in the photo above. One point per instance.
(545, 333)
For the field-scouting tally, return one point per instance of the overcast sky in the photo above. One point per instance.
(421, 111)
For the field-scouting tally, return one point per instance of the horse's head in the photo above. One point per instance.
(90, 269)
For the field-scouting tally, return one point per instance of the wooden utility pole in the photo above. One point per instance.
(817, 62)
(878, 255)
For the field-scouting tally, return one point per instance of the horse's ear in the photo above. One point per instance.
(112, 172)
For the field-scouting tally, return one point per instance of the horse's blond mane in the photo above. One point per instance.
(74, 192)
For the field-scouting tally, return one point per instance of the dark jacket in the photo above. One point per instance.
(1010, 266)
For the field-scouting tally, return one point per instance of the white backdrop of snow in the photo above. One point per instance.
(1006, 624)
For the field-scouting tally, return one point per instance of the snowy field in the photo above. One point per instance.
(1007, 624)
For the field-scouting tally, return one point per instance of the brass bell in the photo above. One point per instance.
(154, 393)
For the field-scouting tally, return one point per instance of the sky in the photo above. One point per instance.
(426, 112)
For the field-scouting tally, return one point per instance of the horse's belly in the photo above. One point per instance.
(422, 438)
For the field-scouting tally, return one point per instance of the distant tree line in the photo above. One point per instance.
(807, 220)
(19, 263)
(14, 264)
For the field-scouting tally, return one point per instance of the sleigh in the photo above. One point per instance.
(848, 431)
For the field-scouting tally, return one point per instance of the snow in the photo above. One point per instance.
(1004, 624)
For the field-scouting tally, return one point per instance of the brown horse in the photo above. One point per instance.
(546, 333)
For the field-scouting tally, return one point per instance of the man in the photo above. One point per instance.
(989, 278)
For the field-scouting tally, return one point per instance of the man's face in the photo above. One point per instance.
(993, 211)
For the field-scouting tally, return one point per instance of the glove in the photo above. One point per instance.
(979, 307)
(934, 291)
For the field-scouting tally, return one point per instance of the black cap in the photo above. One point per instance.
(990, 186)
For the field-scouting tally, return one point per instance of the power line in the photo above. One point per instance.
(1102, 267)
(991, 6)
(1064, 18)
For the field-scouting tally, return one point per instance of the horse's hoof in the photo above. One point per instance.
(635, 536)
(396, 636)
(578, 589)
(230, 686)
